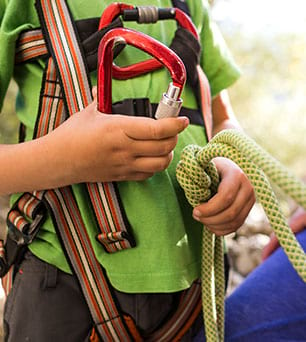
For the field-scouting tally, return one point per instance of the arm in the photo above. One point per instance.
(223, 114)
(297, 222)
(225, 212)
(90, 147)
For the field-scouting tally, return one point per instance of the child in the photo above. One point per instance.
(140, 154)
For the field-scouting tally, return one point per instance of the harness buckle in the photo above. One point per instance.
(22, 238)
(21, 230)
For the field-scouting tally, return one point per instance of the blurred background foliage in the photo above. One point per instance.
(269, 99)
(8, 120)
(268, 41)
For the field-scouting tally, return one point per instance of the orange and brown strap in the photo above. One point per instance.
(66, 90)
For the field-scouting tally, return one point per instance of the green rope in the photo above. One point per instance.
(199, 178)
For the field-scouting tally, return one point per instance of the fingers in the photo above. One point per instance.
(119, 147)
(148, 129)
(154, 164)
(228, 220)
(233, 183)
(153, 148)
(225, 212)
(135, 176)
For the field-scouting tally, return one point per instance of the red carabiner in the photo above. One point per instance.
(116, 9)
(111, 12)
(159, 51)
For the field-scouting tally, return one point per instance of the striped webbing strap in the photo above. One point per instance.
(7, 280)
(65, 51)
(188, 310)
(205, 102)
(108, 323)
(23, 222)
(69, 94)
(31, 45)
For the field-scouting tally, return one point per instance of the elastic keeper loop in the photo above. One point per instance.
(30, 205)
(18, 221)
(2, 250)
(115, 241)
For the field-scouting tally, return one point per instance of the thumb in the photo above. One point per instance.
(94, 93)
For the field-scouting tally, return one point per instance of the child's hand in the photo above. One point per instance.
(103, 147)
(225, 212)
(90, 147)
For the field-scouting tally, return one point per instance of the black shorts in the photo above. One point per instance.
(46, 305)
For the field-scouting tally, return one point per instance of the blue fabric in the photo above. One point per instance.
(269, 306)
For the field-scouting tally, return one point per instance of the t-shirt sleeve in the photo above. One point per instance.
(14, 18)
(7, 52)
(216, 59)
(2, 8)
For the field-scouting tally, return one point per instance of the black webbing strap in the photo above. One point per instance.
(188, 48)
(31, 43)
(182, 5)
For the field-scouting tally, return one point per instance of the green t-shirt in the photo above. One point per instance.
(167, 255)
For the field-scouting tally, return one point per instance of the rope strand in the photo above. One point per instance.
(198, 177)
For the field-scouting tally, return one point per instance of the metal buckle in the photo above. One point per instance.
(22, 238)
(17, 239)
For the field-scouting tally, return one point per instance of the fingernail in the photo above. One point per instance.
(196, 213)
(185, 120)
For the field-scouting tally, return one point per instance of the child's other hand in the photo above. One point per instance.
(225, 212)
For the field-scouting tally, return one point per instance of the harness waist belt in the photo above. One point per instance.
(143, 107)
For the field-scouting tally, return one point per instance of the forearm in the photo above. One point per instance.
(34, 165)
(90, 147)
(223, 114)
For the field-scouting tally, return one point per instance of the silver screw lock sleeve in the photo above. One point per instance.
(170, 104)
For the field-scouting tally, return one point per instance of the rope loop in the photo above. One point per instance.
(197, 175)
(197, 178)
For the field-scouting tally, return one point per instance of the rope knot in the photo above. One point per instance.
(197, 178)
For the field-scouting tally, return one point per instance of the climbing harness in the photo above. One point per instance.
(198, 176)
(52, 112)
(66, 90)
